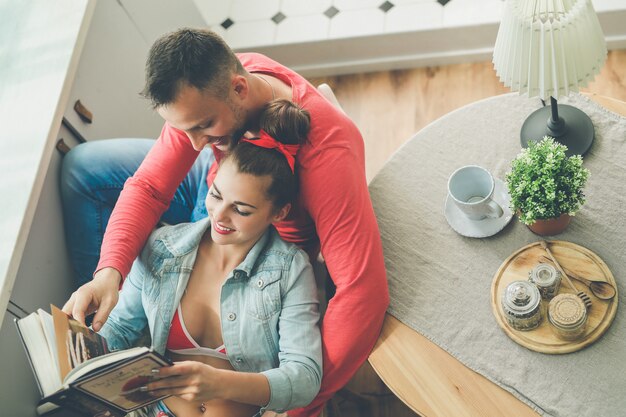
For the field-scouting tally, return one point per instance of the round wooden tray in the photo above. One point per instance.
(574, 258)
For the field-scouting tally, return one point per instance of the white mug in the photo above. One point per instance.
(471, 188)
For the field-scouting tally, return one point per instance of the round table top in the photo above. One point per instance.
(431, 381)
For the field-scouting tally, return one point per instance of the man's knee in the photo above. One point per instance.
(77, 167)
(103, 163)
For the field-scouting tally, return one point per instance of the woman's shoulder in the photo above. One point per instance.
(175, 240)
(279, 253)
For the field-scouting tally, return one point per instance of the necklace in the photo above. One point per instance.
(268, 83)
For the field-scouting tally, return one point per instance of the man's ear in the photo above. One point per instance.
(240, 86)
(282, 213)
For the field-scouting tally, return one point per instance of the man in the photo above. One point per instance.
(209, 97)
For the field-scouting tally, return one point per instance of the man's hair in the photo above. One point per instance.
(195, 57)
(287, 123)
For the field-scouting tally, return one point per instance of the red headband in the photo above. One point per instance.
(266, 141)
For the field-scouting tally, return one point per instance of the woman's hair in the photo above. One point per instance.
(287, 123)
(195, 57)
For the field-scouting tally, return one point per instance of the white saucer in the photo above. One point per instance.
(480, 228)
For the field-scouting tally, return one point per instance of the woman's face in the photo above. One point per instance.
(239, 208)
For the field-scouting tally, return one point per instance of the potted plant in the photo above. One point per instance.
(546, 186)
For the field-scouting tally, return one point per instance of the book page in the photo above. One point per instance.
(75, 343)
(102, 361)
(48, 330)
(119, 384)
(31, 332)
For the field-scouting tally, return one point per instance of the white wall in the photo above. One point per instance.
(324, 37)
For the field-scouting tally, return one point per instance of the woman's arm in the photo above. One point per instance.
(297, 379)
(128, 318)
(196, 381)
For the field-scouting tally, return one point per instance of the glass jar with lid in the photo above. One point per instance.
(521, 304)
(568, 316)
(546, 278)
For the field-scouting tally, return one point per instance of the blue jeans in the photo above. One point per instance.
(92, 177)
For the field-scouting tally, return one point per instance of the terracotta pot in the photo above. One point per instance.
(549, 227)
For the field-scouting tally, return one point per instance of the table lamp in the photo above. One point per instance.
(550, 48)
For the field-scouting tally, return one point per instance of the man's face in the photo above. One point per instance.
(206, 119)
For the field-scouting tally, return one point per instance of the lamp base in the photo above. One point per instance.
(577, 134)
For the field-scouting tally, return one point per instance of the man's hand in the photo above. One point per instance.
(99, 295)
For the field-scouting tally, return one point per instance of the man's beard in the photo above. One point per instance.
(240, 124)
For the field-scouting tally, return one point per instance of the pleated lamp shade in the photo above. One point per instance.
(548, 49)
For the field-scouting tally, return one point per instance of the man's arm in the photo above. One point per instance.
(146, 195)
(336, 196)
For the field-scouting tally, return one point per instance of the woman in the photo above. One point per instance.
(230, 302)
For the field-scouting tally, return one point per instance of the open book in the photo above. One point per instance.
(74, 368)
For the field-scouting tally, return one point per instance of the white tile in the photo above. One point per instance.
(412, 17)
(472, 12)
(405, 2)
(357, 4)
(304, 7)
(302, 29)
(608, 5)
(219, 30)
(213, 12)
(243, 10)
(357, 23)
(250, 34)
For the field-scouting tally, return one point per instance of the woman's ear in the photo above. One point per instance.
(282, 213)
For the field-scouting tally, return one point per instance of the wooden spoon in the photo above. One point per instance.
(581, 294)
(601, 289)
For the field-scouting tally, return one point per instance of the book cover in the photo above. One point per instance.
(78, 370)
(111, 384)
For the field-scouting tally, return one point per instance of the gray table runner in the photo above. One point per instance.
(440, 281)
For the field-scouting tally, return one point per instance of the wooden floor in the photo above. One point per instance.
(389, 107)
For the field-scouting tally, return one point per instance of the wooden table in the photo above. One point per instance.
(432, 382)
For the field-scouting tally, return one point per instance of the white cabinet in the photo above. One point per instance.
(111, 72)
(18, 390)
(108, 80)
(44, 275)
(110, 77)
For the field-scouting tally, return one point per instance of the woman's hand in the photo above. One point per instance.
(196, 381)
(189, 380)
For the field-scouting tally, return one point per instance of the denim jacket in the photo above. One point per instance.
(269, 309)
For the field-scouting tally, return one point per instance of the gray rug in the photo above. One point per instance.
(440, 281)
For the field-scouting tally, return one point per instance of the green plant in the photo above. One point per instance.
(544, 183)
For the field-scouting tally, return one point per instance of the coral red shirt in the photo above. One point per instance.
(333, 213)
